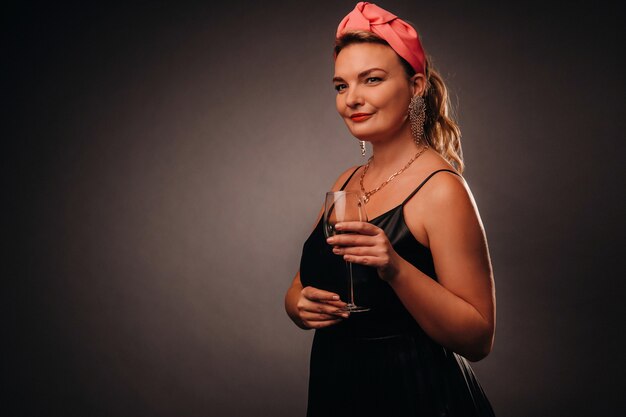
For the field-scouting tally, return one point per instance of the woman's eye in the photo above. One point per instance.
(371, 80)
(340, 87)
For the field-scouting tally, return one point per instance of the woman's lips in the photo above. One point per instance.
(360, 117)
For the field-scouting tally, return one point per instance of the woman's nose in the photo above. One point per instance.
(354, 97)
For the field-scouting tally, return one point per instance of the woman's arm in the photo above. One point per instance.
(458, 310)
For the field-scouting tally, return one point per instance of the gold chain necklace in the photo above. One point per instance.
(367, 194)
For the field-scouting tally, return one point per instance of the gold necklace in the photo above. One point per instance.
(367, 194)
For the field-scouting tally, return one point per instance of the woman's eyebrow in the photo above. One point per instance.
(362, 74)
(367, 72)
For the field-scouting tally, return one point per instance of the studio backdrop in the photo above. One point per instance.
(166, 162)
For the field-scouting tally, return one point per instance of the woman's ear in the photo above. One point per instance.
(418, 84)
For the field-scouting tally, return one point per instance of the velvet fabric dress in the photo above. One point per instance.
(380, 362)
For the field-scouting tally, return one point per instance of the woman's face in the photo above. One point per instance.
(373, 91)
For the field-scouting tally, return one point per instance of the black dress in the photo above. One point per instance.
(380, 362)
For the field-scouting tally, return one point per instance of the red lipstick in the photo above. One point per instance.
(360, 117)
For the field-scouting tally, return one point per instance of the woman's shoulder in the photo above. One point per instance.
(443, 186)
(440, 185)
(439, 176)
(443, 198)
(344, 177)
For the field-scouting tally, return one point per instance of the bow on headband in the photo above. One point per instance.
(401, 36)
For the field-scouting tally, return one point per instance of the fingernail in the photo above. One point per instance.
(335, 297)
(344, 315)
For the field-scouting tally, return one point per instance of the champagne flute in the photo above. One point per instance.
(344, 206)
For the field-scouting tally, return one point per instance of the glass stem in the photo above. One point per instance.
(349, 265)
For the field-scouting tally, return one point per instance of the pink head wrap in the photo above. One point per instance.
(401, 36)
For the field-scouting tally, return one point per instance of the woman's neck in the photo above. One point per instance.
(392, 154)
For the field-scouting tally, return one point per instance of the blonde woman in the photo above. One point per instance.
(421, 261)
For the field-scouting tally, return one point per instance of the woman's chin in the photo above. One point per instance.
(362, 134)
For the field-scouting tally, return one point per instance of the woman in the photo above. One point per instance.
(421, 261)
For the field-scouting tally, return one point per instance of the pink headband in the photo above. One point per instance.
(399, 35)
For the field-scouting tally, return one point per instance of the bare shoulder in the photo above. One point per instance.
(344, 177)
(445, 200)
(450, 204)
(443, 184)
(446, 192)
(444, 188)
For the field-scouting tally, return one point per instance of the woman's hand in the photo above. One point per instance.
(318, 308)
(366, 244)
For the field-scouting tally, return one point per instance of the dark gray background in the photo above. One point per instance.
(165, 163)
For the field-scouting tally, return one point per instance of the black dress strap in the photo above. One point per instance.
(349, 178)
(424, 182)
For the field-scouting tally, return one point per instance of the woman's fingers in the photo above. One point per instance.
(357, 234)
(363, 243)
(318, 315)
(351, 240)
(313, 316)
(359, 250)
(315, 294)
(363, 228)
(364, 260)
(381, 248)
(319, 308)
(323, 308)
(338, 304)
(320, 324)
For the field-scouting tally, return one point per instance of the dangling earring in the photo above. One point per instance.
(417, 117)
(362, 143)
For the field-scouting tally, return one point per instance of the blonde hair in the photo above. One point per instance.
(441, 132)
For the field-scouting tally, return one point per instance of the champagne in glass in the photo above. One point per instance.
(344, 206)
